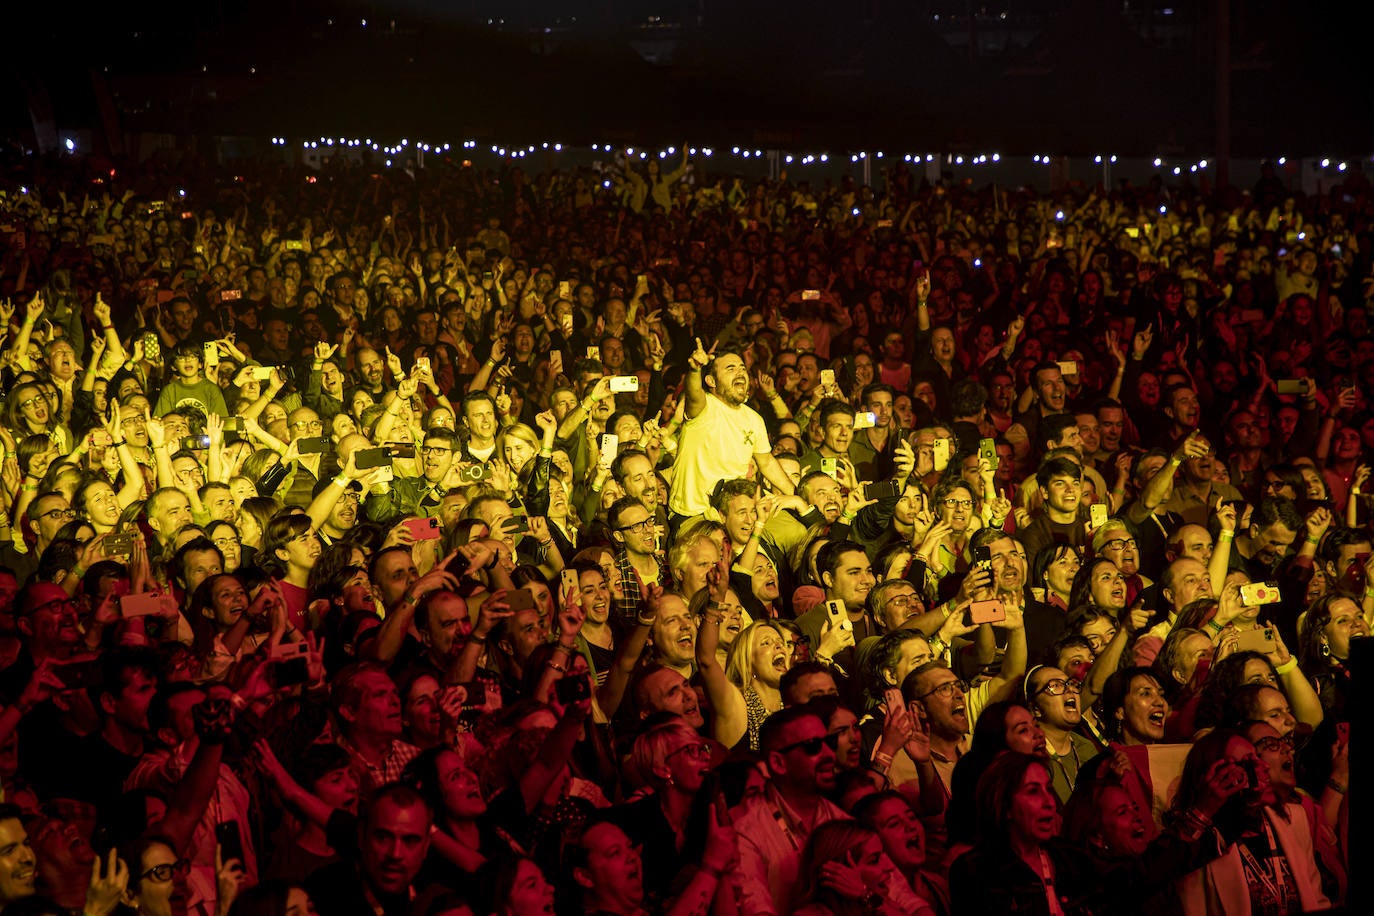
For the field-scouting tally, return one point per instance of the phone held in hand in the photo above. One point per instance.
(140, 605)
(883, 489)
(990, 611)
(423, 529)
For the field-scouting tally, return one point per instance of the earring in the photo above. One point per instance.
(1326, 649)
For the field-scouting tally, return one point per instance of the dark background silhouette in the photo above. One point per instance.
(1072, 76)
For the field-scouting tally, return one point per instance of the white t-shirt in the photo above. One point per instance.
(716, 444)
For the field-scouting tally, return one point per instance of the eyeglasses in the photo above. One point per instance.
(179, 868)
(56, 607)
(1058, 687)
(644, 525)
(1118, 543)
(1275, 745)
(25, 405)
(946, 690)
(224, 542)
(308, 424)
(59, 513)
(901, 601)
(957, 503)
(700, 751)
(435, 450)
(811, 747)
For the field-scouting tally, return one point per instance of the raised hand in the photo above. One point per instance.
(109, 878)
(1140, 345)
(923, 286)
(157, 433)
(101, 310)
(700, 355)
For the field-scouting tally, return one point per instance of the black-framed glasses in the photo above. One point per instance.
(161, 873)
(1057, 687)
(644, 525)
(1118, 543)
(957, 503)
(946, 690)
(811, 747)
(59, 513)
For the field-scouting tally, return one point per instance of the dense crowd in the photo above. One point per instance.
(456, 541)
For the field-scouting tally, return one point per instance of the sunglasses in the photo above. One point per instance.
(811, 747)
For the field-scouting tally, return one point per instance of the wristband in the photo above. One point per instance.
(78, 571)
(1226, 535)
(556, 667)
(342, 481)
(1286, 667)
(473, 637)
(1311, 540)
(1336, 787)
(567, 648)
(881, 759)
(644, 622)
(118, 442)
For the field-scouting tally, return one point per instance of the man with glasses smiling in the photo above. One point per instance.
(638, 561)
(48, 512)
(414, 496)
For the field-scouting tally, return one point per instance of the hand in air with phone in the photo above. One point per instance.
(493, 610)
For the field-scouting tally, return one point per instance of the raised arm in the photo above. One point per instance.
(695, 393)
(732, 718)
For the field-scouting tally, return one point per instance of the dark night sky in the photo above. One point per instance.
(832, 70)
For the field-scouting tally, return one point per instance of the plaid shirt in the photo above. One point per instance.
(625, 605)
(372, 777)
